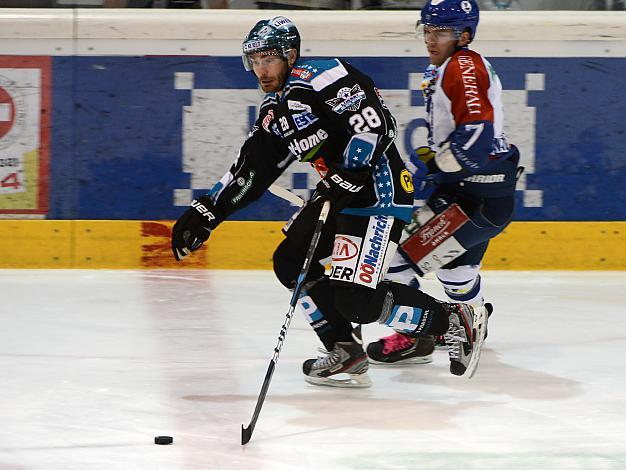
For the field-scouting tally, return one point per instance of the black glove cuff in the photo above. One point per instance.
(356, 176)
(213, 215)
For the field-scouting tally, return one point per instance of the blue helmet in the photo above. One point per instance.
(458, 15)
(276, 34)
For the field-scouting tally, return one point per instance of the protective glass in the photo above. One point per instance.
(260, 59)
(432, 33)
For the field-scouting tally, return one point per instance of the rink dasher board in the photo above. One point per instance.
(550, 64)
(327, 33)
(354, 48)
(129, 244)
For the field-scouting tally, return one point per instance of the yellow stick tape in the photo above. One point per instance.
(122, 244)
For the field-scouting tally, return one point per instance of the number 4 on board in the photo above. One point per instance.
(10, 181)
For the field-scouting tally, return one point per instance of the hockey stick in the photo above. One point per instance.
(285, 194)
(246, 433)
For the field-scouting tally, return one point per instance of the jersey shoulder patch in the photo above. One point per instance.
(319, 73)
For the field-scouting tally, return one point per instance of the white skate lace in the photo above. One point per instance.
(455, 336)
(330, 358)
(453, 342)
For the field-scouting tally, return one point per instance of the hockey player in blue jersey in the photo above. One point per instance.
(329, 114)
(468, 163)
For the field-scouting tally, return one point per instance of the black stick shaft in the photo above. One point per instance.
(246, 433)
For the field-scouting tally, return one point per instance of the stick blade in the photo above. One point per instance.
(246, 434)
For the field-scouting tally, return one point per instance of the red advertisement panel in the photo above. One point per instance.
(24, 134)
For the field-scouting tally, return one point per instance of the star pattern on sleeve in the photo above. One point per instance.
(384, 185)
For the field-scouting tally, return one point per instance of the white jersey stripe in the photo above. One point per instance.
(328, 77)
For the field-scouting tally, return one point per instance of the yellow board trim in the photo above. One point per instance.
(559, 245)
(123, 244)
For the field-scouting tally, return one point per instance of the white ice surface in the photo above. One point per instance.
(94, 364)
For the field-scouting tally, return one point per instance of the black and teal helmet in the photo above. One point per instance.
(276, 34)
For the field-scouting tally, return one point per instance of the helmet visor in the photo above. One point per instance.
(260, 56)
(261, 59)
(250, 48)
(435, 33)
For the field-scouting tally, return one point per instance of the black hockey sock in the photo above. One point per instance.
(329, 325)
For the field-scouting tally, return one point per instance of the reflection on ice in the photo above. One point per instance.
(94, 364)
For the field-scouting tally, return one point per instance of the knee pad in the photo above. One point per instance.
(286, 266)
(363, 305)
(288, 260)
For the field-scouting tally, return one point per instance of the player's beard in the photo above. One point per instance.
(275, 84)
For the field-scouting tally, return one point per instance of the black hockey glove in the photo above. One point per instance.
(341, 185)
(194, 227)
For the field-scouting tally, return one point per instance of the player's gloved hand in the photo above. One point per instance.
(423, 181)
(194, 227)
(341, 185)
(424, 160)
(423, 154)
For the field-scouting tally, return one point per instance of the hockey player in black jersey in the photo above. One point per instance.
(328, 114)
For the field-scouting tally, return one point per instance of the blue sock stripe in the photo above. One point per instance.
(465, 296)
(452, 283)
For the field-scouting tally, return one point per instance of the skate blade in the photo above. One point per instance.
(411, 360)
(354, 381)
(480, 326)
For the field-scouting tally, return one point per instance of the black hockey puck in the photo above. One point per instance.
(163, 440)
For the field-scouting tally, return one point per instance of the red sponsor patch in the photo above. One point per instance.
(320, 166)
(268, 119)
(434, 233)
(344, 249)
(302, 74)
(25, 123)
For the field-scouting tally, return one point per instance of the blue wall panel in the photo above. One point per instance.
(117, 133)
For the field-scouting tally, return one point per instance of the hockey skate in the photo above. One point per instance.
(464, 338)
(344, 366)
(440, 341)
(399, 349)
